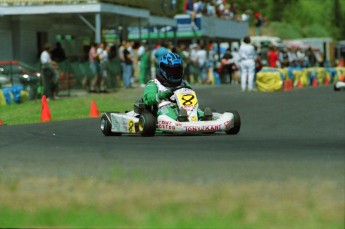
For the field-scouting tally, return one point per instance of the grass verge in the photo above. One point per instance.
(68, 108)
(91, 202)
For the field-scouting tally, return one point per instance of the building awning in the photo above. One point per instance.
(74, 8)
(163, 21)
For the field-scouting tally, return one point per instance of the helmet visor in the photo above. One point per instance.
(173, 73)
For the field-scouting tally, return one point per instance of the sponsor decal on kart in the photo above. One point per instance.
(166, 125)
(203, 128)
(223, 122)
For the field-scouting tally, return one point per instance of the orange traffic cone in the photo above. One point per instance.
(45, 113)
(326, 81)
(314, 82)
(0, 122)
(287, 85)
(299, 84)
(94, 110)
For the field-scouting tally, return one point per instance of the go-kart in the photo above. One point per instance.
(144, 120)
(338, 86)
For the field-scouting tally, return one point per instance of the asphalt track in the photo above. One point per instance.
(284, 135)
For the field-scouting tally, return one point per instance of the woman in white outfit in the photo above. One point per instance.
(247, 63)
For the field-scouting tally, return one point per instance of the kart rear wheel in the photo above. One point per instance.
(147, 124)
(106, 127)
(237, 124)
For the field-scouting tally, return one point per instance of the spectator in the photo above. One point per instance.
(235, 67)
(121, 56)
(128, 66)
(48, 73)
(273, 57)
(210, 8)
(104, 62)
(292, 57)
(189, 9)
(320, 59)
(141, 50)
(258, 62)
(94, 66)
(114, 67)
(158, 53)
(245, 16)
(258, 22)
(184, 54)
(58, 53)
(198, 7)
(263, 51)
(300, 58)
(210, 62)
(220, 8)
(284, 58)
(224, 70)
(311, 57)
(201, 55)
(145, 63)
(194, 64)
(95, 56)
(247, 54)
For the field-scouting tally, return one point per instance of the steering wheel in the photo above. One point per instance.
(178, 88)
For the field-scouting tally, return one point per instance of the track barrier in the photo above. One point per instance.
(268, 79)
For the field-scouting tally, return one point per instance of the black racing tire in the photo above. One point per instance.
(147, 124)
(237, 124)
(106, 127)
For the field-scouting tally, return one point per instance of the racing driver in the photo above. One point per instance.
(159, 92)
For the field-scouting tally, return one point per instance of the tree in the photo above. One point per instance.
(337, 20)
(337, 17)
(277, 9)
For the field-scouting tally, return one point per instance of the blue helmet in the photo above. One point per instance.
(160, 52)
(170, 70)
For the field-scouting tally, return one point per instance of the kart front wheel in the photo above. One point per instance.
(237, 124)
(147, 124)
(106, 127)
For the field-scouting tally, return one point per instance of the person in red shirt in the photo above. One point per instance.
(273, 57)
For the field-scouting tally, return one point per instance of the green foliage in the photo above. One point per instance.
(315, 30)
(301, 18)
(286, 30)
(277, 6)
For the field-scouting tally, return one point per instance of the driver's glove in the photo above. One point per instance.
(161, 95)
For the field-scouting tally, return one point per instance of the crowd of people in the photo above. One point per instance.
(203, 63)
(217, 8)
(283, 57)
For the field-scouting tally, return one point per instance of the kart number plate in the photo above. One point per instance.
(187, 100)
